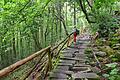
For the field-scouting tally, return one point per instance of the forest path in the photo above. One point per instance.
(72, 65)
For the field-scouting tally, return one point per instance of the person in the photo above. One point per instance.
(75, 33)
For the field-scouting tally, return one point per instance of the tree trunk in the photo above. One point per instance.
(84, 11)
(14, 49)
(74, 15)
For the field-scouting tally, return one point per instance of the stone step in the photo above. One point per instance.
(80, 75)
(76, 59)
(57, 79)
(57, 76)
(71, 49)
(67, 61)
(63, 71)
(80, 55)
(68, 55)
(80, 68)
(65, 64)
(81, 65)
(66, 68)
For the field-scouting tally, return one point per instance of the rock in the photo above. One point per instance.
(79, 68)
(107, 49)
(81, 65)
(63, 68)
(57, 76)
(95, 69)
(65, 64)
(63, 71)
(101, 54)
(75, 59)
(116, 46)
(67, 61)
(80, 75)
(59, 79)
(67, 55)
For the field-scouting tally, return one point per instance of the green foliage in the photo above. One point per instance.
(113, 74)
(105, 22)
(88, 51)
(115, 57)
(26, 26)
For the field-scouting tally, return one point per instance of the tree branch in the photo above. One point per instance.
(63, 22)
(85, 12)
(89, 4)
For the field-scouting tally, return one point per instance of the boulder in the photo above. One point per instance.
(95, 69)
(116, 46)
(80, 75)
(101, 54)
(107, 49)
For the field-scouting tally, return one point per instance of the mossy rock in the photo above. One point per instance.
(88, 51)
(108, 50)
(99, 42)
(115, 57)
(116, 35)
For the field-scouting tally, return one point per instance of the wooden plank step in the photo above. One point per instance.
(80, 75)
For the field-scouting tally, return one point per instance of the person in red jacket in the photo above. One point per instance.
(75, 35)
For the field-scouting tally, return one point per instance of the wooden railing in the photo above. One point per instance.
(46, 55)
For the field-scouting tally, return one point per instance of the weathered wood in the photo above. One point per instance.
(35, 66)
(49, 60)
(16, 65)
(55, 47)
(99, 64)
(12, 67)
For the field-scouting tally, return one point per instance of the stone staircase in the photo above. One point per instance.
(72, 65)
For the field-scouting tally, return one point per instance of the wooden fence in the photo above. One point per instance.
(42, 59)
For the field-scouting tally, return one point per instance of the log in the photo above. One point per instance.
(12, 67)
(35, 66)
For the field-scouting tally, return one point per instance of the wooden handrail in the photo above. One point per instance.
(12, 67)
(61, 42)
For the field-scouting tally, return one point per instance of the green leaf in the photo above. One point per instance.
(114, 71)
(106, 75)
(112, 65)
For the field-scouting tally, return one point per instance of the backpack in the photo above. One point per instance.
(77, 31)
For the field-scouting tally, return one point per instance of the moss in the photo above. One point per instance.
(88, 51)
(108, 50)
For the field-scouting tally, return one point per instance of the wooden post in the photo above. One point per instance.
(49, 60)
(68, 42)
(14, 66)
